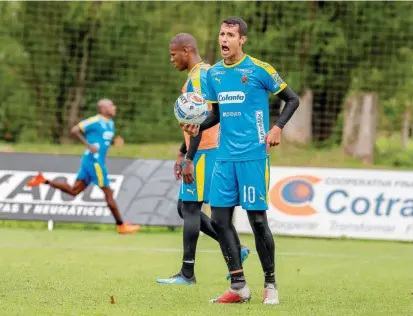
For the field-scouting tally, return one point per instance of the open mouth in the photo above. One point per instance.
(224, 48)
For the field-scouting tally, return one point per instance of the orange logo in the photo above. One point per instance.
(293, 195)
(196, 98)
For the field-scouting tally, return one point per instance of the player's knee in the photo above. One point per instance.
(258, 226)
(216, 225)
(76, 191)
(258, 221)
(219, 223)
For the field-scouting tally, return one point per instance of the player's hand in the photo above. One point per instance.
(178, 166)
(273, 138)
(188, 172)
(191, 129)
(93, 149)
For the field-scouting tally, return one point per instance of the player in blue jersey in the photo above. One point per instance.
(194, 163)
(96, 133)
(239, 86)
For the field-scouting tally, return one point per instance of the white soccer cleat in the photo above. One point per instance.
(270, 295)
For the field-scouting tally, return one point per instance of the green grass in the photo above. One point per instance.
(284, 155)
(76, 268)
(67, 272)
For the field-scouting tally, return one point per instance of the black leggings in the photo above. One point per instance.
(230, 243)
(194, 221)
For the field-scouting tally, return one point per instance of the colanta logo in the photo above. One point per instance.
(231, 97)
(293, 195)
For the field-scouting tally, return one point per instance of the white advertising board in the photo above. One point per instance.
(365, 204)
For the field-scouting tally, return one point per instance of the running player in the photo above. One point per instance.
(96, 133)
(239, 86)
(197, 167)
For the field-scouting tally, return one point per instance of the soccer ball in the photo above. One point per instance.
(191, 108)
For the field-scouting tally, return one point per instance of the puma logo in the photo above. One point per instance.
(261, 198)
(218, 79)
(191, 191)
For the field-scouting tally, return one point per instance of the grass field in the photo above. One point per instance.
(68, 272)
(75, 269)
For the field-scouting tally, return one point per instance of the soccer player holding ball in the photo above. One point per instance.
(194, 163)
(238, 86)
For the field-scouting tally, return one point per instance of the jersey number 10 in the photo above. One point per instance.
(249, 194)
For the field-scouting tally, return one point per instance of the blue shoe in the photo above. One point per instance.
(178, 279)
(245, 251)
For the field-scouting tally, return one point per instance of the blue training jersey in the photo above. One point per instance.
(98, 131)
(242, 92)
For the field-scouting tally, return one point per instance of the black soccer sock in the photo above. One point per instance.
(229, 243)
(119, 223)
(187, 268)
(264, 243)
(237, 280)
(191, 212)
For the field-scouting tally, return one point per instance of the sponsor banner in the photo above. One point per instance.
(365, 204)
(145, 190)
(17, 199)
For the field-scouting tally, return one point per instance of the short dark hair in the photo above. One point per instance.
(242, 25)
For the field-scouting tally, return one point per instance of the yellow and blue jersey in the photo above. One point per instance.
(197, 82)
(242, 92)
(98, 131)
(205, 156)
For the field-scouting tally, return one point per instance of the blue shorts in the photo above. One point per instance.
(243, 183)
(93, 172)
(199, 190)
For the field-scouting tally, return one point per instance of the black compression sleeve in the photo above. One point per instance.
(183, 147)
(291, 104)
(193, 146)
(212, 118)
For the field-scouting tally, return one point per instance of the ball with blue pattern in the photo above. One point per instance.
(191, 108)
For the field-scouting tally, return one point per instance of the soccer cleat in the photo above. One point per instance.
(232, 296)
(36, 180)
(178, 279)
(245, 251)
(270, 294)
(127, 228)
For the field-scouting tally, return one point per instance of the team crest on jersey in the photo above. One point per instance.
(244, 79)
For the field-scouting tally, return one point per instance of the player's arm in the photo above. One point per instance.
(77, 132)
(179, 160)
(212, 118)
(273, 83)
(183, 149)
(194, 142)
(80, 129)
(291, 104)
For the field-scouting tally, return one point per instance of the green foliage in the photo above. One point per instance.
(58, 58)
